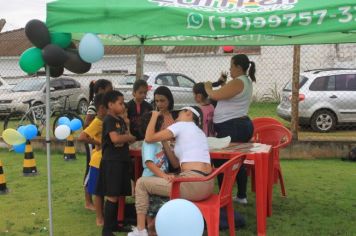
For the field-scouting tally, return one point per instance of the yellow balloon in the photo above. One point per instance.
(13, 137)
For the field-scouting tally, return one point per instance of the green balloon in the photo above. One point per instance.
(61, 39)
(31, 60)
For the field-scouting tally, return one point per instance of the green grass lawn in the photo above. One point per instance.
(321, 199)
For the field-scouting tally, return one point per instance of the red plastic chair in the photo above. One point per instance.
(263, 121)
(259, 122)
(278, 137)
(210, 207)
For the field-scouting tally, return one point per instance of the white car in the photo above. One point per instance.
(327, 98)
(33, 90)
(4, 86)
(180, 85)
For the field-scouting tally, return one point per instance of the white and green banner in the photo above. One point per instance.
(207, 22)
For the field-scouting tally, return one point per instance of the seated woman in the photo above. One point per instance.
(192, 155)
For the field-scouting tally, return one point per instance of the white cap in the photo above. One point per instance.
(192, 110)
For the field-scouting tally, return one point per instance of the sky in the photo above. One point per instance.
(18, 12)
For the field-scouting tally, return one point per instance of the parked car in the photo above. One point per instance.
(180, 85)
(34, 88)
(327, 98)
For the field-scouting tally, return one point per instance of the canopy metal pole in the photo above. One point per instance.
(140, 58)
(295, 92)
(48, 147)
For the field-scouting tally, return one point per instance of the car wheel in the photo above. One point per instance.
(323, 121)
(39, 111)
(82, 107)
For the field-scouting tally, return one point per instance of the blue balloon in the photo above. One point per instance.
(63, 121)
(20, 148)
(90, 48)
(21, 129)
(30, 132)
(75, 124)
(179, 217)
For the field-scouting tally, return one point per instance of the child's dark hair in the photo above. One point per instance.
(165, 91)
(243, 61)
(99, 101)
(112, 97)
(94, 87)
(199, 88)
(198, 120)
(138, 84)
(145, 119)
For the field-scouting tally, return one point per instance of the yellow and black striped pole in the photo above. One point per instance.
(3, 188)
(29, 162)
(69, 149)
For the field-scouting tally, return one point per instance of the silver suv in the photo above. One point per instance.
(34, 88)
(180, 85)
(327, 98)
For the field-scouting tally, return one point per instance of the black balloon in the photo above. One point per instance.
(54, 55)
(37, 32)
(75, 64)
(56, 71)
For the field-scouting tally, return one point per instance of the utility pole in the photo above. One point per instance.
(2, 24)
(295, 92)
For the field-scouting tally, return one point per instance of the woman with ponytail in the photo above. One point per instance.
(231, 112)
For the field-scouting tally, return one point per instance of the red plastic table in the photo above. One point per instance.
(260, 156)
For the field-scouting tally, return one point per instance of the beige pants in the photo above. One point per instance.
(194, 191)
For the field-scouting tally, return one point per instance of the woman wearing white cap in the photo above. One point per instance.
(191, 155)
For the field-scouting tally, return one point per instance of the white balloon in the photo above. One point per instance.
(217, 143)
(62, 132)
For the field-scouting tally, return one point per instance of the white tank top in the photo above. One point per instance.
(236, 106)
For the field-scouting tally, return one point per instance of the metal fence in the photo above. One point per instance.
(327, 95)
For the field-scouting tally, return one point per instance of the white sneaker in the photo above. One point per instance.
(136, 232)
(240, 200)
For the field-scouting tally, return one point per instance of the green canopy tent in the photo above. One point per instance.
(207, 22)
(204, 22)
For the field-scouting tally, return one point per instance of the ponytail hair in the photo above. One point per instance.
(95, 86)
(243, 61)
(252, 71)
(91, 90)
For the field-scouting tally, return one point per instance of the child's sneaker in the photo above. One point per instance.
(136, 232)
(240, 200)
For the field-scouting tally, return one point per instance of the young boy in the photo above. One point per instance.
(201, 97)
(115, 168)
(155, 161)
(92, 135)
(137, 107)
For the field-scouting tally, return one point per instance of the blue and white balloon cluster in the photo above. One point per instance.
(66, 127)
(17, 138)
